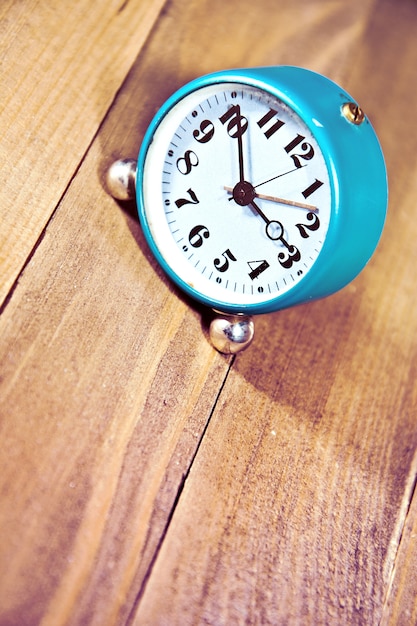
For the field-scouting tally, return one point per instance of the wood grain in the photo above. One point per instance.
(146, 479)
(401, 602)
(61, 68)
(97, 428)
(296, 518)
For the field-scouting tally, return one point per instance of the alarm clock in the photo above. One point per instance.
(258, 189)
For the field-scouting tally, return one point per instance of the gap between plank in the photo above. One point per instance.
(148, 573)
(42, 234)
(37, 243)
(397, 538)
(3, 305)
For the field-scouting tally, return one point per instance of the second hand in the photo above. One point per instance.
(278, 176)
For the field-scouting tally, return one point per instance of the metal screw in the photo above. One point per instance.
(353, 113)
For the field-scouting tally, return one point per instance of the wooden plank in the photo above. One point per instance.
(296, 500)
(399, 55)
(97, 430)
(61, 68)
(107, 382)
(294, 508)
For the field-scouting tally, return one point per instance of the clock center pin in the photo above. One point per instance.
(243, 193)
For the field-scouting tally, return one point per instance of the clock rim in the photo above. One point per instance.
(321, 112)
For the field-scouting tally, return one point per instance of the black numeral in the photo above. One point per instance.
(289, 257)
(227, 256)
(187, 162)
(315, 225)
(294, 143)
(267, 118)
(257, 267)
(205, 133)
(181, 201)
(313, 187)
(308, 151)
(197, 235)
(237, 124)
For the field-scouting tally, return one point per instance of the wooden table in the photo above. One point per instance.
(145, 478)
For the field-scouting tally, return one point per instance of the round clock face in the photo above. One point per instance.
(236, 195)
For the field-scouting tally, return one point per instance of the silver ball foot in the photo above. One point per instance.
(121, 179)
(230, 334)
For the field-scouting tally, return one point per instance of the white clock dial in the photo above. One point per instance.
(236, 194)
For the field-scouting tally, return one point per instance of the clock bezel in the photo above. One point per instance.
(357, 181)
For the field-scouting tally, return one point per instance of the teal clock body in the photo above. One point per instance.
(260, 189)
